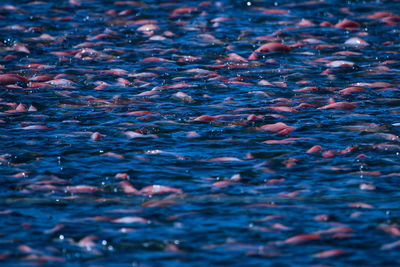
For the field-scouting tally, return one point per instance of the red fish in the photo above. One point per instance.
(300, 239)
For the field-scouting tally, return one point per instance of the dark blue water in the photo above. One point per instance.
(73, 146)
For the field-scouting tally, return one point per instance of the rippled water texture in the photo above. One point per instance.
(188, 133)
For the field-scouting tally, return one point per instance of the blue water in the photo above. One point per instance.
(198, 222)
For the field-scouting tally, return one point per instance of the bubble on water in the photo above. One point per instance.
(248, 3)
(104, 242)
(178, 225)
(61, 237)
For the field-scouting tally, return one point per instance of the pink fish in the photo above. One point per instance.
(300, 239)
